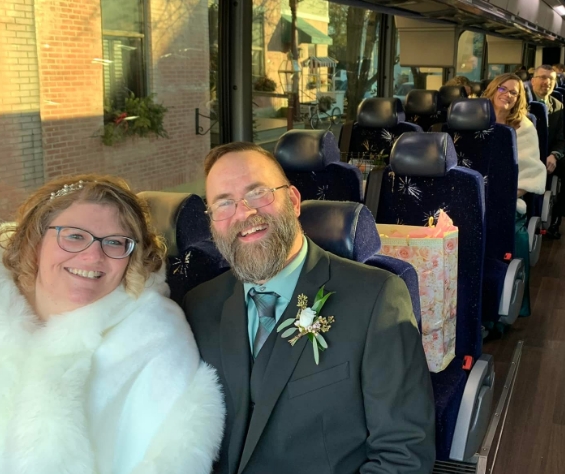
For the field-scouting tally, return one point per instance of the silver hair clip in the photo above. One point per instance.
(67, 189)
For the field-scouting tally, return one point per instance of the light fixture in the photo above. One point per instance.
(289, 71)
(560, 10)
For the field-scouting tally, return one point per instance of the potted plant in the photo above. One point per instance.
(265, 84)
(140, 116)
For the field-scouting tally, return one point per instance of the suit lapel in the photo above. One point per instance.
(235, 353)
(284, 357)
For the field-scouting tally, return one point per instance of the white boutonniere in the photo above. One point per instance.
(309, 322)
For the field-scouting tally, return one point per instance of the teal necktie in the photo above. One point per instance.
(265, 304)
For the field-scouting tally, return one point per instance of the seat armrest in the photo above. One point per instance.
(475, 409)
(512, 292)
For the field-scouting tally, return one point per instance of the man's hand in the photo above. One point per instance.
(551, 163)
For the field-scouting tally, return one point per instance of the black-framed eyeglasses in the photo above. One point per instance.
(75, 240)
(504, 90)
(259, 197)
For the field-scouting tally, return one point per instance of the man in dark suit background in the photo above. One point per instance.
(368, 406)
(543, 83)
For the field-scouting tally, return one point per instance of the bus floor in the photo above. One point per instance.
(533, 440)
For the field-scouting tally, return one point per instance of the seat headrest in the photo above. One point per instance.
(476, 88)
(178, 217)
(484, 84)
(306, 150)
(471, 114)
(346, 229)
(447, 94)
(429, 154)
(523, 75)
(421, 102)
(380, 112)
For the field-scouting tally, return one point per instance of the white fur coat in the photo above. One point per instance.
(115, 387)
(532, 173)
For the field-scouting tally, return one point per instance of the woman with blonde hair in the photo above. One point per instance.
(99, 371)
(462, 81)
(508, 97)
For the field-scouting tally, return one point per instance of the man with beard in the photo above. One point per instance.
(366, 405)
(543, 84)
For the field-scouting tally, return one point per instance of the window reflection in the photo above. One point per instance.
(470, 53)
(336, 47)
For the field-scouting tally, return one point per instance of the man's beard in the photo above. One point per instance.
(260, 261)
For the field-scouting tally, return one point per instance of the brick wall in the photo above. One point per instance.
(53, 111)
(21, 158)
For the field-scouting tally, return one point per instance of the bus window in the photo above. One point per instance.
(414, 77)
(334, 53)
(497, 69)
(470, 55)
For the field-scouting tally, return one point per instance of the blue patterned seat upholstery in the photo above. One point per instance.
(422, 178)
(422, 108)
(539, 110)
(380, 122)
(489, 148)
(191, 254)
(348, 229)
(446, 95)
(311, 162)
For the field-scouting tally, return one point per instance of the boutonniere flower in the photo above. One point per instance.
(308, 322)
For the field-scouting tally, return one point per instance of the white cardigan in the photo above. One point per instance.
(115, 387)
(532, 173)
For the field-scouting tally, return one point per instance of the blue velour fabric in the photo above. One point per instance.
(448, 386)
(491, 151)
(412, 200)
(348, 230)
(539, 110)
(422, 108)
(379, 124)
(311, 163)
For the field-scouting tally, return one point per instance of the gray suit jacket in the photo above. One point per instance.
(368, 407)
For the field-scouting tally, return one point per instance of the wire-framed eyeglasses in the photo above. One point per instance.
(511, 93)
(259, 197)
(75, 240)
(545, 78)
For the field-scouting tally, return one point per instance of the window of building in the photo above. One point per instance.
(123, 36)
(258, 46)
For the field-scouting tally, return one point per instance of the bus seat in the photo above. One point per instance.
(192, 257)
(422, 108)
(446, 95)
(476, 89)
(380, 121)
(348, 230)
(542, 206)
(558, 95)
(490, 148)
(423, 177)
(311, 161)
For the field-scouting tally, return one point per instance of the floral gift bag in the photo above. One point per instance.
(432, 251)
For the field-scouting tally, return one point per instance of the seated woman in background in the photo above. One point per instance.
(508, 97)
(99, 371)
(462, 81)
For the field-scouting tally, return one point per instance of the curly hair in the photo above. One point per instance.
(21, 240)
(520, 109)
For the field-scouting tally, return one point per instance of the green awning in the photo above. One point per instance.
(306, 32)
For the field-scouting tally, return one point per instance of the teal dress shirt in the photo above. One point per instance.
(283, 284)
